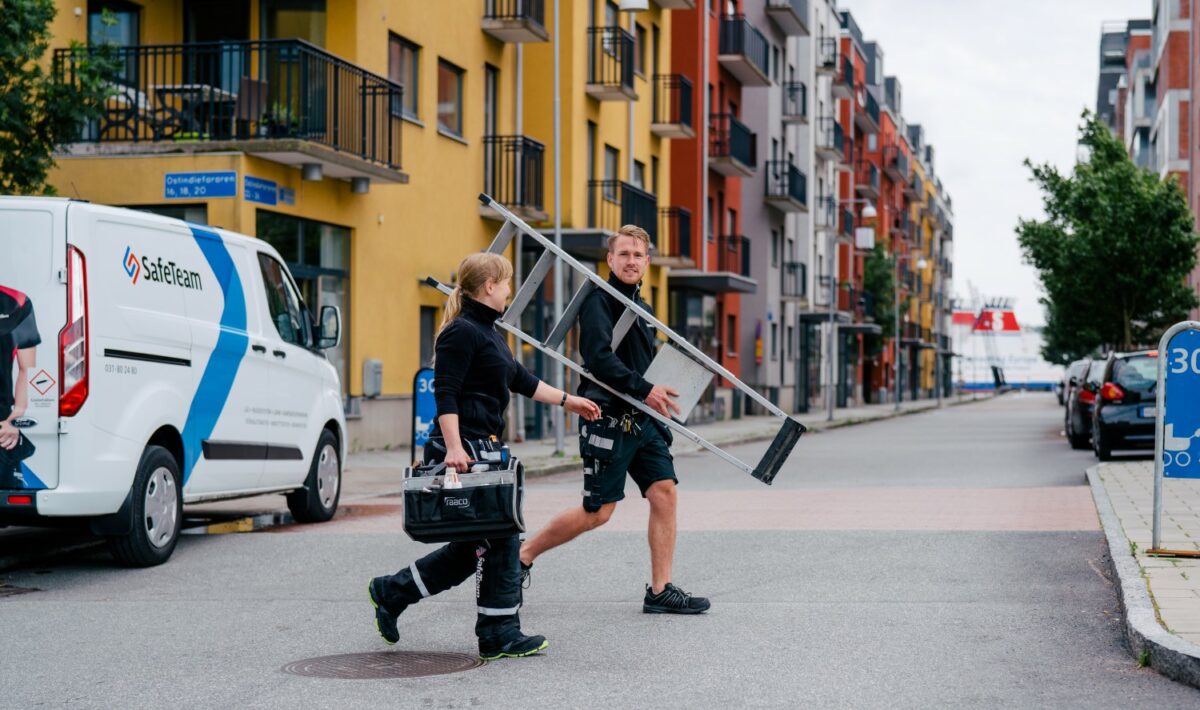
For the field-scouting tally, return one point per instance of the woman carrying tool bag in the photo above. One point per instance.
(473, 373)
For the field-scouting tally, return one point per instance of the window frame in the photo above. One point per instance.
(411, 93)
(460, 74)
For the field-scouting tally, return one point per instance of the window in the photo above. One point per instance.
(612, 14)
(774, 247)
(654, 44)
(300, 19)
(731, 224)
(712, 218)
(654, 174)
(121, 31)
(428, 332)
(403, 68)
(491, 98)
(639, 175)
(731, 335)
(450, 86)
(872, 141)
(612, 160)
(791, 341)
(775, 63)
(283, 302)
(639, 49)
(774, 341)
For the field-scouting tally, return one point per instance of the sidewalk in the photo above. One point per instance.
(1160, 596)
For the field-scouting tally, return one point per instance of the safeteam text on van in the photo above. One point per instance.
(169, 273)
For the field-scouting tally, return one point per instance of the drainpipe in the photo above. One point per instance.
(518, 271)
(702, 10)
(557, 412)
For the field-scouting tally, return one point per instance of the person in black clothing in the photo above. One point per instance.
(473, 373)
(18, 337)
(624, 440)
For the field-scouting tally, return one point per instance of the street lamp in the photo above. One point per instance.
(868, 212)
(921, 264)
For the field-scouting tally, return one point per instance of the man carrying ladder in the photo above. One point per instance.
(624, 440)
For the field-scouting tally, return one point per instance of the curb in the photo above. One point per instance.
(1148, 641)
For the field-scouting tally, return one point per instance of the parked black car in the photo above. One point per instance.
(1123, 415)
(1078, 401)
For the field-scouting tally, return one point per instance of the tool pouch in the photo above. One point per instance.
(598, 443)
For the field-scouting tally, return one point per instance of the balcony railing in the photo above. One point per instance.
(915, 187)
(515, 20)
(730, 139)
(795, 279)
(901, 224)
(831, 141)
(868, 117)
(613, 203)
(843, 82)
(895, 163)
(672, 106)
(514, 173)
(242, 90)
(866, 179)
(744, 51)
(795, 102)
(675, 232)
(733, 254)
(827, 54)
(610, 64)
(790, 15)
(847, 222)
(827, 212)
(787, 187)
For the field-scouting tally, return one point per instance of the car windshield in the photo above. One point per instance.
(1138, 373)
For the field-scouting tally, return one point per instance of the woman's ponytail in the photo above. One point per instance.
(453, 307)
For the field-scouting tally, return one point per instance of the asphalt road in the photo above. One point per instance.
(943, 559)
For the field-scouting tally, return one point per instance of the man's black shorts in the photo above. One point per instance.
(609, 453)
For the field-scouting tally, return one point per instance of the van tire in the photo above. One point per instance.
(154, 532)
(315, 503)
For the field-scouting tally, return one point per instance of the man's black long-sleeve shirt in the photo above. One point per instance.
(474, 371)
(622, 370)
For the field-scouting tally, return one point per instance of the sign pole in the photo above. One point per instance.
(1177, 361)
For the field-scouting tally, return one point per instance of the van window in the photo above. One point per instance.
(283, 302)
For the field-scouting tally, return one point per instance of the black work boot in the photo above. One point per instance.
(518, 647)
(384, 620)
(673, 600)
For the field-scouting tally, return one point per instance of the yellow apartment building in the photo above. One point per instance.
(355, 137)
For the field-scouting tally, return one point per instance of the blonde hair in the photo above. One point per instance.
(630, 230)
(473, 274)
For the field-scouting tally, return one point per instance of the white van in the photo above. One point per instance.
(177, 363)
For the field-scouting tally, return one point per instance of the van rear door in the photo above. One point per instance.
(33, 242)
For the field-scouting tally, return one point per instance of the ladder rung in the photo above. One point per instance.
(503, 237)
(563, 326)
(624, 323)
(525, 294)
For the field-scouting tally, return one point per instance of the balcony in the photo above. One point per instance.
(674, 244)
(672, 106)
(826, 213)
(866, 180)
(790, 15)
(744, 52)
(843, 81)
(795, 102)
(733, 254)
(867, 115)
(831, 142)
(514, 175)
(847, 223)
(795, 279)
(787, 187)
(286, 101)
(915, 188)
(895, 164)
(611, 204)
(732, 147)
(610, 64)
(827, 55)
(901, 225)
(515, 21)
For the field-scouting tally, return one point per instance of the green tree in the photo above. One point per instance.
(1113, 253)
(879, 281)
(37, 111)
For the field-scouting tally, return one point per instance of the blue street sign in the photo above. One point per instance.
(1181, 405)
(190, 186)
(259, 190)
(424, 408)
(287, 196)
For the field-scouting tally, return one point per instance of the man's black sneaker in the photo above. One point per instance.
(673, 600)
(519, 647)
(385, 622)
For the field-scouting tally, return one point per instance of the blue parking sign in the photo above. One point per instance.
(1180, 415)
(424, 408)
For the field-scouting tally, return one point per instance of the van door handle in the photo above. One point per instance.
(259, 349)
(279, 353)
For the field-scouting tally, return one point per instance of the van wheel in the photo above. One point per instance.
(318, 500)
(157, 512)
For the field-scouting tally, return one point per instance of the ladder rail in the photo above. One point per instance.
(576, 367)
(608, 288)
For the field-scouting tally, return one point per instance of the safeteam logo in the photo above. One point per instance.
(133, 268)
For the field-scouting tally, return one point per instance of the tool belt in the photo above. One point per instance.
(489, 502)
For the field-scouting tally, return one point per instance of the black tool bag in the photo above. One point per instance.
(489, 504)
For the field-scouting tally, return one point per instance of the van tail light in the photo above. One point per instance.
(1112, 392)
(73, 339)
(1087, 396)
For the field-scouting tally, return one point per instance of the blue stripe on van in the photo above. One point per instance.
(232, 341)
(32, 482)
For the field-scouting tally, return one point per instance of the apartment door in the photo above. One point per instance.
(221, 28)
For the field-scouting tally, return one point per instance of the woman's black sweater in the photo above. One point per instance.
(474, 371)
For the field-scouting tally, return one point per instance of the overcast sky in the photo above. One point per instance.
(994, 83)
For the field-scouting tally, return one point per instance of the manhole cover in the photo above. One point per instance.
(383, 664)
(7, 591)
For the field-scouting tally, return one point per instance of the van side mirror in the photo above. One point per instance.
(1074, 382)
(329, 330)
